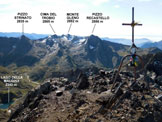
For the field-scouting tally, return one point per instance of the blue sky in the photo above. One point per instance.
(147, 12)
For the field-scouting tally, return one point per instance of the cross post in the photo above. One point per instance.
(133, 24)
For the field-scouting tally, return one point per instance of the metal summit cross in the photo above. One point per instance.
(133, 54)
(133, 24)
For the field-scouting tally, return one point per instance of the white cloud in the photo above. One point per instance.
(39, 6)
(144, 0)
(116, 6)
(123, 0)
(99, 2)
(9, 1)
(134, 0)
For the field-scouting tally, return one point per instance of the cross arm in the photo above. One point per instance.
(139, 24)
(126, 24)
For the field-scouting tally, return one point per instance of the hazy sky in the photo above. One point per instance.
(147, 12)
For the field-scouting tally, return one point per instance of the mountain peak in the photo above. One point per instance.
(92, 39)
(93, 36)
(54, 36)
(23, 37)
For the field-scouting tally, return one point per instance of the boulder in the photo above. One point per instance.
(59, 93)
(136, 87)
(128, 74)
(147, 118)
(155, 64)
(159, 80)
(53, 88)
(159, 97)
(148, 79)
(102, 89)
(68, 87)
(127, 95)
(102, 73)
(105, 97)
(44, 88)
(82, 82)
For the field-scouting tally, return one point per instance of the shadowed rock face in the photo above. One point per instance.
(16, 50)
(102, 51)
(82, 82)
(153, 44)
(155, 64)
(85, 100)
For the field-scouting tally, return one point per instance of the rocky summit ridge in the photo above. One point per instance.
(89, 98)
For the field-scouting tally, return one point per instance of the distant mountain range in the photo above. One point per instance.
(60, 53)
(152, 44)
(34, 36)
(29, 35)
(138, 42)
(142, 43)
